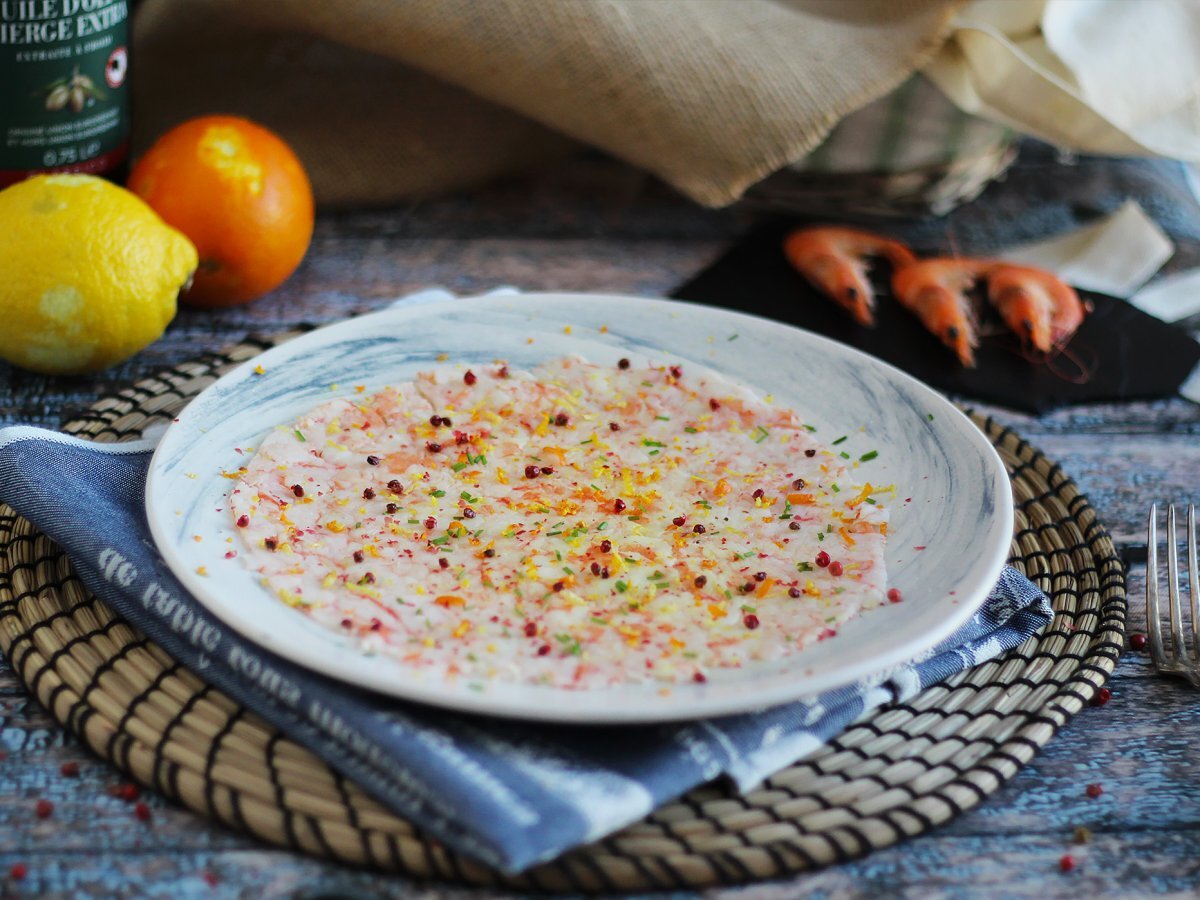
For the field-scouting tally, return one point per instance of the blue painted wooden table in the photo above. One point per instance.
(596, 225)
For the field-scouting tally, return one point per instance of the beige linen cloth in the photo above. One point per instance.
(393, 100)
(390, 100)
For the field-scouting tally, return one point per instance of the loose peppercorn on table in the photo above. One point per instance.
(1065, 767)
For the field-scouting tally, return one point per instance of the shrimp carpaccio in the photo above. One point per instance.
(578, 525)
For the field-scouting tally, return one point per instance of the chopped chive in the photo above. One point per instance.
(646, 442)
(732, 337)
(663, 418)
(929, 417)
(836, 489)
(841, 439)
(761, 434)
(746, 607)
(844, 455)
(871, 501)
(690, 430)
(804, 567)
(601, 526)
(621, 587)
(599, 621)
(444, 539)
(300, 437)
(458, 467)
(868, 456)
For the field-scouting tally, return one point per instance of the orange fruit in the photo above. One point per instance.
(239, 194)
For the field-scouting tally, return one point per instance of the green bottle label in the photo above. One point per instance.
(64, 94)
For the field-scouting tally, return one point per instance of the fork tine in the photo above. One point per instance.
(1153, 611)
(1179, 650)
(1193, 579)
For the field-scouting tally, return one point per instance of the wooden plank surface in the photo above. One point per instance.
(595, 225)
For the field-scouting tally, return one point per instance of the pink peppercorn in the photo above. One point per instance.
(530, 629)
(531, 471)
(443, 562)
(433, 446)
(699, 678)
(368, 493)
(701, 581)
(1102, 697)
(698, 529)
(44, 809)
(1067, 862)
(595, 567)
(69, 769)
(141, 811)
(822, 559)
(810, 452)
(893, 595)
(547, 470)
(558, 586)
(758, 493)
(1094, 790)
(613, 426)
(18, 871)
(243, 521)
(760, 576)
(430, 523)
(678, 521)
(622, 364)
(128, 791)
(358, 556)
(373, 460)
(469, 377)
(676, 372)
(468, 513)
(395, 486)
(714, 405)
(750, 621)
(544, 650)
(606, 546)
(561, 419)
(835, 568)
(793, 592)
(794, 525)
(619, 505)
(1137, 641)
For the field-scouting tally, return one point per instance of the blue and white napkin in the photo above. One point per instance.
(508, 793)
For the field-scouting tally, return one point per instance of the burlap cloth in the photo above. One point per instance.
(392, 100)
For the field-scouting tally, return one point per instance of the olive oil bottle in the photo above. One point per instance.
(64, 87)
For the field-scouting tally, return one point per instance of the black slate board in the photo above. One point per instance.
(1125, 353)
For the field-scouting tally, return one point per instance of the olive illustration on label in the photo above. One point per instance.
(74, 91)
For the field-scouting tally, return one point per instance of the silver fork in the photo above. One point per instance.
(1183, 660)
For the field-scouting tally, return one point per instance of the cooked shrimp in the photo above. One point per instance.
(834, 260)
(935, 290)
(1036, 304)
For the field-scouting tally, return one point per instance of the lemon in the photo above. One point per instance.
(89, 274)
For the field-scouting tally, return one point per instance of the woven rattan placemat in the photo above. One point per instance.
(899, 772)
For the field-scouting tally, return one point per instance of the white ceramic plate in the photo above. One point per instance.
(960, 511)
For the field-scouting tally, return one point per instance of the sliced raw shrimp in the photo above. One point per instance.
(935, 290)
(1036, 304)
(834, 260)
